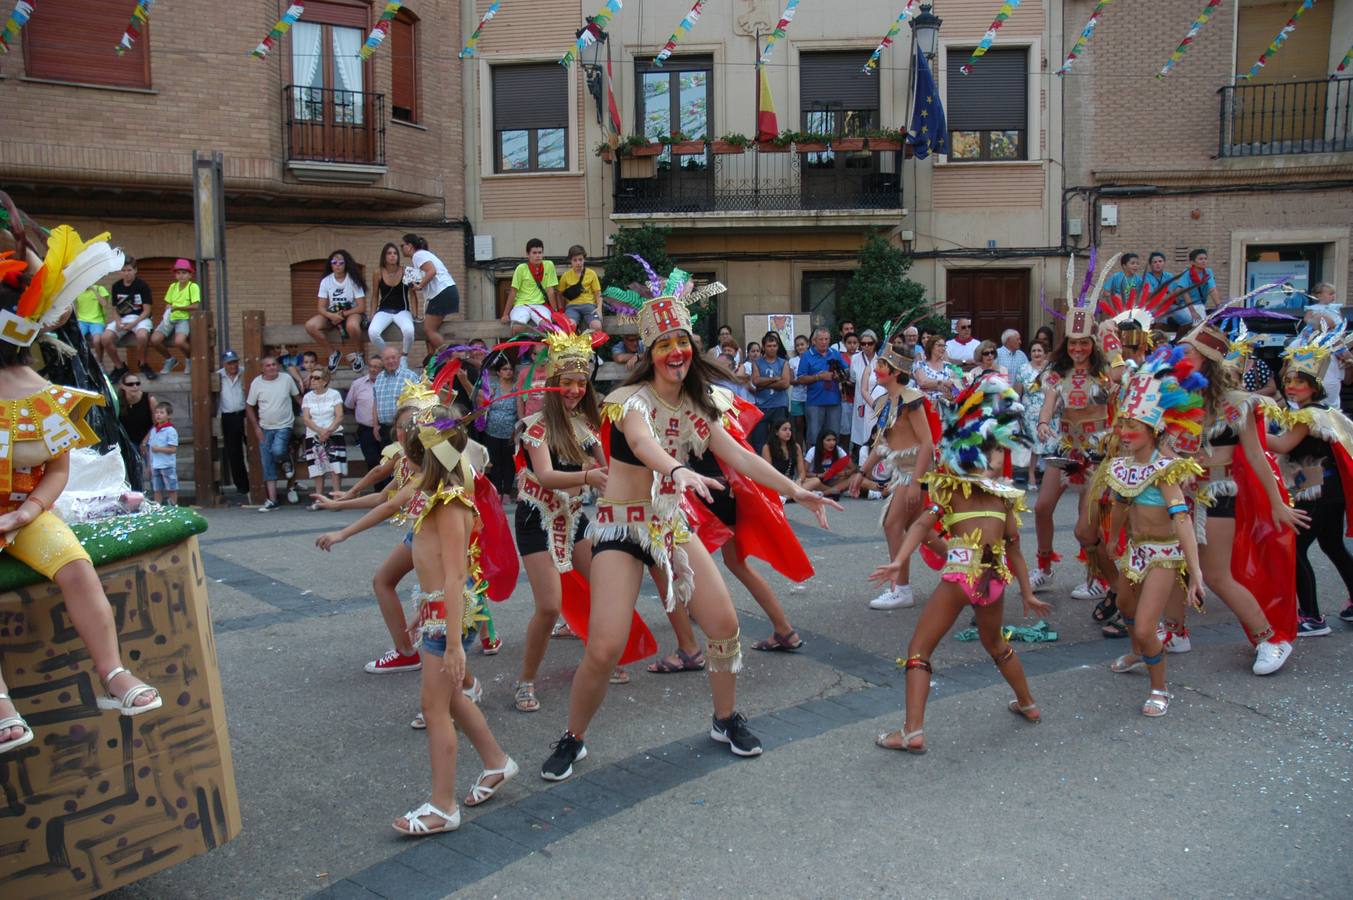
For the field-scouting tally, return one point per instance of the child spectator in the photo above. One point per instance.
(182, 297)
(531, 300)
(89, 314)
(131, 299)
(325, 450)
(164, 448)
(829, 466)
(581, 290)
(880, 476)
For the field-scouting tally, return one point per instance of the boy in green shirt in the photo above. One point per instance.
(182, 297)
(89, 313)
(581, 290)
(531, 300)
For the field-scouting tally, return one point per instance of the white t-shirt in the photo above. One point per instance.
(321, 409)
(340, 295)
(273, 399)
(440, 281)
(960, 352)
(881, 471)
(798, 393)
(812, 454)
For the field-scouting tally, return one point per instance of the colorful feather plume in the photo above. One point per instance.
(987, 415)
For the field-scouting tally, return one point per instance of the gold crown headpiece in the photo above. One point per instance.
(568, 352)
(419, 394)
(1310, 351)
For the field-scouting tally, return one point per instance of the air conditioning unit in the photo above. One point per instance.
(483, 247)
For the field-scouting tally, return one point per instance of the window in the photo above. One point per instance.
(404, 67)
(988, 110)
(327, 73)
(821, 290)
(530, 118)
(674, 99)
(835, 97)
(73, 40)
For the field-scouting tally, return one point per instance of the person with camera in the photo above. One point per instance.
(822, 369)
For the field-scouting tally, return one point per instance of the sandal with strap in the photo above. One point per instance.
(1157, 704)
(418, 828)
(561, 631)
(14, 721)
(483, 793)
(1024, 712)
(780, 643)
(419, 723)
(620, 675)
(1115, 628)
(907, 738)
(1105, 610)
(126, 704)
(525, 698)
(692, 662)
(1126, 663)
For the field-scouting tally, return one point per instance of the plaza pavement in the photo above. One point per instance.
(1242, 790)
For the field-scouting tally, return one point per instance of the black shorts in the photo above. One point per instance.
(724, 507)
(624, 545)
(1222, 508)
(444, 304)
(531, 537)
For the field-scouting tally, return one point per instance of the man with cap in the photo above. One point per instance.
(230, 400)
(181, 298)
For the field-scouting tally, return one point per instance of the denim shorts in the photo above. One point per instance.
(164, 479)
(173, 327)
(90, 329)
(436, 646)
(582, 314)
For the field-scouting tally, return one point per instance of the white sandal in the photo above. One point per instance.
(483, 793)
(419, 828)
(126, 704)
(906, 747)
(1126, 663)
(1023, 712)
(1157, 704)
(475, 692)
(419, 723)
(14, 721)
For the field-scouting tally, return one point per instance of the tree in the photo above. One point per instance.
(650, 242)
(879, 291)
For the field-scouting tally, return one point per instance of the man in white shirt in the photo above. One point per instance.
(846, 328)
(271, 413)
(230, 401)
(960, 348)
(862, 373)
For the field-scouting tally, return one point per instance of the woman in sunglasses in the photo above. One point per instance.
(134, 412)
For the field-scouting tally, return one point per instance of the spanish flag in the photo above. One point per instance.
(766, 125)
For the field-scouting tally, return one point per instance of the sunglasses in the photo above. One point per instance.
(964, 327)
(988, 352)
(131, 384)
(336, 260)
(868, 343)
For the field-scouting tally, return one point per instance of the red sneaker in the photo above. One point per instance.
(491, 647)
(394, 661)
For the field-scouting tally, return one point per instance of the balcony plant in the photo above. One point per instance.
(778, 144)
(605, 151)
(886, 139)
(810, 141)
(730, 144)
(639, 145)
(683, 145)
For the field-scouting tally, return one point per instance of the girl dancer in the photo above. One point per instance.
(981, 519)
(665, 415)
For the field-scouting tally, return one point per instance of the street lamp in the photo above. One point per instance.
(591, 62)
(925, 28)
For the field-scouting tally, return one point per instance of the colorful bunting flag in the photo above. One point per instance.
(294, 12)
(1278, 41)
(902, 17)
(1007, 8)
(473, 40)
(140, 16)
(1086, 33)
(1348, 58)
(778, 34)
(15, 23)
(1197, 26)
(595, 26)
(380, 30)
(686, 24)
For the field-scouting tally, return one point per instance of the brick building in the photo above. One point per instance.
(321, 150)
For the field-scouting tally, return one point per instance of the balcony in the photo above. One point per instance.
(334, 135)
(792, 187)
(1286, 118)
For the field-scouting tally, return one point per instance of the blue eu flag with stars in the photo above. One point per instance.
(928, 129)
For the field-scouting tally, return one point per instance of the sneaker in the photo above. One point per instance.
(875, 495)
(1346, 614)
(898, 597)
(1270, 656)
(334, 357)
(475, 692)
(419, 723)
(491, 648)
(394, 661)
(148, 372)
(1040, 579)
(187, 367)
(1312, 627)
(293, 497)
(1175, 641)
(168, 366)
(115, 376)
(357, 363)
(268, 506)
(1092, 589)
(567, 750)
(733, 731)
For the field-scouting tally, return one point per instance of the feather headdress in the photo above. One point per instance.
(665, 304)
(1165, 394)
(1312, 349)
(986, 415)
(71, 266)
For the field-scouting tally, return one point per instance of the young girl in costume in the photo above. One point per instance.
(666, 414)
(445, 554)
(40, 423)
(980, 517)
(1316, 463)
(904, 442)
(1162, 396)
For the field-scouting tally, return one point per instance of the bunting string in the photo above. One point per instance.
(778, 34)
(294, 12)
(381, 30)
(1278, 41)
(1086, 33)
(685, 25)
(872, 65)
(1006, 10)
(473, 40)
(18, 18)
(1348, 58)
(140, 16)
(1187, 42)
(595, 26)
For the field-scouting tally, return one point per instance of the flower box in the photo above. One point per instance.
(848, 144)
(881, 145)
(607, 155)
(652, 149)
(645, 166)
(688, 148)
(723, 148)
(771, 147)
(811, 147)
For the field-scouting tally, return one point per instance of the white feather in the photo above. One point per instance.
(93, 263)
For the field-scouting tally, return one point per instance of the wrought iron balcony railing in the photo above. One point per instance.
(1286, 118)
(328, 125)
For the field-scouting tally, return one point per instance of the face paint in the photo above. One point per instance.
(672, 354)
(1079, 349)
(573, 387)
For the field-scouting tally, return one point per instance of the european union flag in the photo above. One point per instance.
(928, 128)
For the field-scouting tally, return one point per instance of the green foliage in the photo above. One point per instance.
(650, 242)
(879, 291)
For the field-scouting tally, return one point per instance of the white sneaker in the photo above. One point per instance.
(1092, 589)
(357, 363)
(293, 497)
(1174, 641)
(899, 597)
(169, 363)
(876, 495)
(1040, 579)
(334, 357)
(1270, 656)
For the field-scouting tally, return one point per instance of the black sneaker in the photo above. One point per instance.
(733, 731)
(567, 750)
(1346, 614)
(334, 356)
(115, 376)
(148, 372)
(1312, 627)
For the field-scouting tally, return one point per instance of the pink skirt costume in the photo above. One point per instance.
(978, 568)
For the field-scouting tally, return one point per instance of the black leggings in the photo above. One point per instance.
(503, 473)
(1327, 529)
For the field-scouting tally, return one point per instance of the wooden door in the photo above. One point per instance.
(996, 299)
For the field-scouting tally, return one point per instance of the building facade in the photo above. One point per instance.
(321, 150)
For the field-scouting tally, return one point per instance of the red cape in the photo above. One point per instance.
(1263, 556)
(576, 608)
(497, 550)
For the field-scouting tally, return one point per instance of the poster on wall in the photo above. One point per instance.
(1296, 271)
(786, 325)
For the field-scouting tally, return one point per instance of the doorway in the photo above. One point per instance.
(995, 299)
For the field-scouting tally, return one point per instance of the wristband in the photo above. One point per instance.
(1177, 509)
(679, 466)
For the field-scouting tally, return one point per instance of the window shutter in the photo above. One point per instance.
(404, 68)
(675, 64)
(994, 97)
(73, 40)
(534, 96)
(836, 80)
